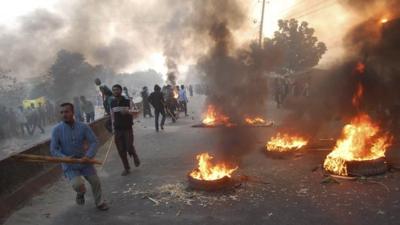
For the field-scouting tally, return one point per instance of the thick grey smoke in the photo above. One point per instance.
(116, 34)
(235, 86)
(374, 43)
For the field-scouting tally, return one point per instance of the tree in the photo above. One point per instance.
(71, 75)
(298, 48)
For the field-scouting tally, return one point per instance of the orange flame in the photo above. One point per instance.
(358, 95)
(176, 95)
(207, 171)
(256, 120)
(285, 142)
(360, 67)
(212, 118)
(361, 140)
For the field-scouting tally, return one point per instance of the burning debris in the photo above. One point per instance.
(285, 143)
(257, 121)
(361, 150)
(362, 141)
(213, 118)
(209, 176)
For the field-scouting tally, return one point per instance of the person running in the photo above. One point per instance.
(67, 140)
(183, 100)
(122, 121)
(145, 102)
(156, 99)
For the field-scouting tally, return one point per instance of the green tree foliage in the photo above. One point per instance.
(297, 46)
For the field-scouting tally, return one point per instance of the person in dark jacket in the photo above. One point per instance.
(106, 94)
(122, 121)
(156, 99)
(145, 102)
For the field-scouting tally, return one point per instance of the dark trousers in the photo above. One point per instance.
(157, 113)
(124, 142)
(89, 117)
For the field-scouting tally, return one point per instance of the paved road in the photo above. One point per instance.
(294, 194)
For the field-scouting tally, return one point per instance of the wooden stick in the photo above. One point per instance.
(49, 159)
(108, 151)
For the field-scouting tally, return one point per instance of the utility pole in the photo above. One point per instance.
(261, 24)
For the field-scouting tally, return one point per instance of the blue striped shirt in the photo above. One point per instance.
(69, 141)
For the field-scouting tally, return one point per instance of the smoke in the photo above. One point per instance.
(374, 42)
(116, 34)
(236, 87)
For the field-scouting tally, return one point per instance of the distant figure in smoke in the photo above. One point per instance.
(145, 102)
(278, 92)
(106, 94)
(67, 140)
(191, 90)
(156, 99)
(12, 122)
(50, 112)
(183, 100)
(34, 119)
(78, 110)
(176, 97)
(126, 93)
(22, 120)
(42, 114)
(87, 109)
(122, 121)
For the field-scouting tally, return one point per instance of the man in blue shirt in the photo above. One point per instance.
(67, 140)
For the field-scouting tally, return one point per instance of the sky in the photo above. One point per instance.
(310, 10)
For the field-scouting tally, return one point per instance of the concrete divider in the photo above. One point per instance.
(19, 181)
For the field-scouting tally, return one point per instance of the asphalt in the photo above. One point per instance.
(292, 191)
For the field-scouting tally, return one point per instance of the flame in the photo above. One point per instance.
(176, 94)
(360, 68)
(212, 118)
(384, 20)
(256, 120)
(285, 142)
(361, 140)
(358, 95)
(207, 171)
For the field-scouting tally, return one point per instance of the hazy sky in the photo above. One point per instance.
(317, 12)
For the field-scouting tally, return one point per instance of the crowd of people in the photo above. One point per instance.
(285, 86)
(32, 119)
(66, 142)
(166, 101)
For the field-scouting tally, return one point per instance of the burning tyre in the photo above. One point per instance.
(360, 151)
(285, 145)
(209, 176)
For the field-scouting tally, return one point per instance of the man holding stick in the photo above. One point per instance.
(122, 121)
(67, 140)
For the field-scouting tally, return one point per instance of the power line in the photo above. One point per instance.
(294, 7)
(316, 7)
(315, 10)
